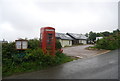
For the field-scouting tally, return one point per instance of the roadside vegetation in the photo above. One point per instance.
(110, 41)
(14, 61)
(32, 59)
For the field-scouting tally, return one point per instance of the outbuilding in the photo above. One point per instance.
(64, 39)
(78, 38)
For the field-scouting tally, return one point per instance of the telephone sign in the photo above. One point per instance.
(47, 37)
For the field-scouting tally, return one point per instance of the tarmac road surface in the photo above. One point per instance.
(103, 66)
(81, 51)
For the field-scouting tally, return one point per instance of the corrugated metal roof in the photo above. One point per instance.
(63, 36)
(77, 36)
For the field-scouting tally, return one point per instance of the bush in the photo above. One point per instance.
(33, 43)
(110, 43)
(8, 49)
(33, 60)
(14, 61)
(58, 45)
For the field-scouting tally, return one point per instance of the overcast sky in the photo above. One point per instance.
(24, 18)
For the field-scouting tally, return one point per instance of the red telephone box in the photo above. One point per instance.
(47, 37)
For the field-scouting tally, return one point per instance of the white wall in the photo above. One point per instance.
(83, 41)
(65, 42)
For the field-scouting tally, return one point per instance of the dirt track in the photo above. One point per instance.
(82, 52)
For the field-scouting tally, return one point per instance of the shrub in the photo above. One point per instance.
(58, 45)
(14, 61)
(112, 42)
(33, 43)
(8, 49)
(33, 60)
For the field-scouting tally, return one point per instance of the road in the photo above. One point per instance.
(103, 66)
(81, 51)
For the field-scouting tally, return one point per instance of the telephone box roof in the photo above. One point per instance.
(48, 28)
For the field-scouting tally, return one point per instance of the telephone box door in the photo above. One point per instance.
(50, 43)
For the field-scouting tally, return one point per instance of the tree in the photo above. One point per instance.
(92, 36)
(99, 35)
(87, 35)
(116, 32)
(106, 33)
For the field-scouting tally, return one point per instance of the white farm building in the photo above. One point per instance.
(70, 39)
(64, 39)
(78, 38)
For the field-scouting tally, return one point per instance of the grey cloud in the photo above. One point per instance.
(27, 16)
